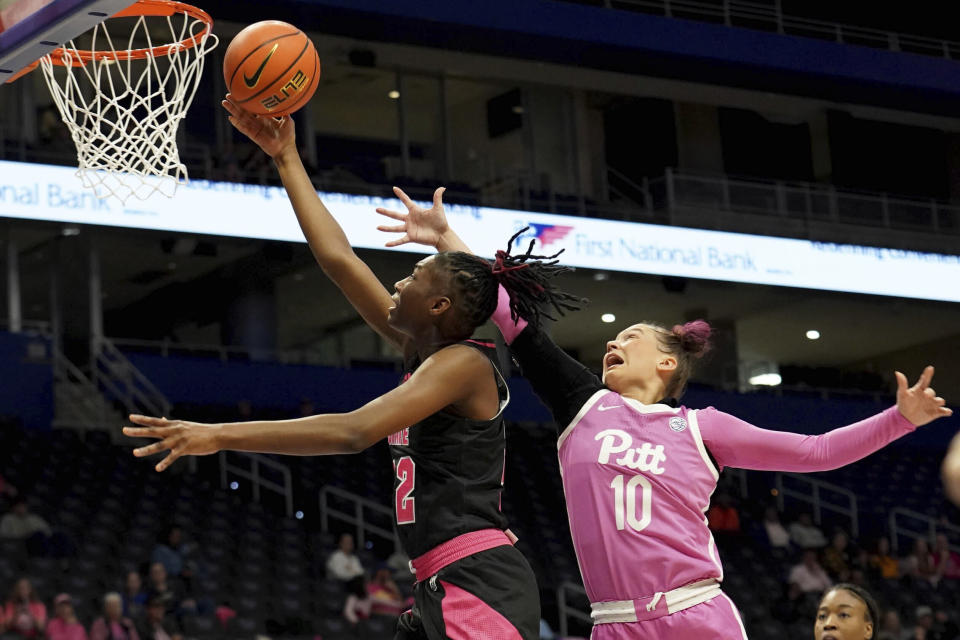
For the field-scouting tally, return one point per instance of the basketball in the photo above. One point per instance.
(271, 68)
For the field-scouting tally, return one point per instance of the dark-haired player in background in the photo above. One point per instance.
(444, 424)
(639, 468)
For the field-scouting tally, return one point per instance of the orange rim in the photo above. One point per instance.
(160, 8)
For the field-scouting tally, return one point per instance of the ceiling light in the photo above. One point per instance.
(813, 334)
(601, 276)
(608, 318)
(393, 94)
(766, 379)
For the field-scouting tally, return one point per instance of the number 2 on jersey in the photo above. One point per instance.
(405, 469)
(625, 502)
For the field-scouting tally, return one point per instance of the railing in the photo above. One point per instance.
(254, 473)
(77, 400)
(770, 17)
(113, 372)
(30, 327)
(800, 203)
(566, 610)
(357, 513)
(846, 504)
(926, 528)
(224, 353)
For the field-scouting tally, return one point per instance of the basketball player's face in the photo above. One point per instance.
(842, 616)
(631, 358)
(412, 299)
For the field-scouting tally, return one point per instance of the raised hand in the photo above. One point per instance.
(273, 135)
(419, 225)
(179, 437)
(920, 404)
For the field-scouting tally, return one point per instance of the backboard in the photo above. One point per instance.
(30, 29)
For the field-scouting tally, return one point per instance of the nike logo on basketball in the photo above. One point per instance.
(252, 81)
(613, 406)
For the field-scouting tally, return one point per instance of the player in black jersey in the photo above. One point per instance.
(444, 423)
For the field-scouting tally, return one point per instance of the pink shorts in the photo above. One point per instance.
(715, 619)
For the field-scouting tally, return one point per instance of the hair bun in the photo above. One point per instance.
(694, 337)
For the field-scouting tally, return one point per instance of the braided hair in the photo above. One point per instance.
(527, 278)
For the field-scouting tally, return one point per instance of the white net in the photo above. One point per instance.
(123, 110)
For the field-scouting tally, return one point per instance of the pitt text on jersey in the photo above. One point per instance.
(647, 457)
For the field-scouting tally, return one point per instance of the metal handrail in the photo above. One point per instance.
(127, 384)
(813, 497)
(932, 526)
(761, 17)
(255, 477)
(90, 409)
(224, 353)
(565, 611)
(357, 518)
(804, 202)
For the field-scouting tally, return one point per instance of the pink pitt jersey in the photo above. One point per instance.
(639, 481)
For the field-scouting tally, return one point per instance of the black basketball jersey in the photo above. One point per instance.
(448, 472)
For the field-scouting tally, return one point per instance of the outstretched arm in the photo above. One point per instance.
(324, 235)
(735, 443)
(422, 226)
(443, 380)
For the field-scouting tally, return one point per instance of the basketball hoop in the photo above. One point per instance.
(123, 105)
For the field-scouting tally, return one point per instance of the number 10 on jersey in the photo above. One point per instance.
(405, 468)
(625, 502)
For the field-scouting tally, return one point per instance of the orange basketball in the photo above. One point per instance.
(271, 68)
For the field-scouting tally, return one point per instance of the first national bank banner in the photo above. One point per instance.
(41, 192)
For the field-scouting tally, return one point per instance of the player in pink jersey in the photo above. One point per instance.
(639, 469)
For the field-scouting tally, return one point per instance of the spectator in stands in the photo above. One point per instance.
(809, 575)
(156, 624)
(836, 557)
(946, 563)
(805, 534)
(777, 535)
(23, 615)
(846, 612)
(162, 587)
(64, 625)
(944, 628)
(919, 564)
(890, 627)
(358, 604)
(171, 550)
(924, 628)
(40, 538)
(399, 563)
(883, 564)
(343, 564)
(384, 594)
(723, 519)
(113, 625)
(134, 597)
